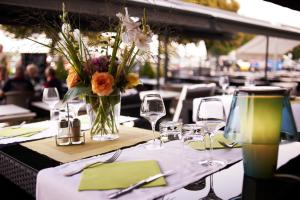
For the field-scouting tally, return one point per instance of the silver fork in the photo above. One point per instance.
(231, 145)
(80, 169)
(19, 126)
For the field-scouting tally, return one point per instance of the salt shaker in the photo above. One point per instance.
(75, 131)
(63, 133)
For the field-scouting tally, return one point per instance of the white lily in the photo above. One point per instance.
(76, 35)
(143, 41)
(66, 28)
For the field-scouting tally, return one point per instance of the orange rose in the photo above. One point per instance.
(72, 78)
(102, 83)
(132, 80)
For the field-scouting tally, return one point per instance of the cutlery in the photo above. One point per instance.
(93, 164)
(19, 126)
(140, 183)
(231, 145)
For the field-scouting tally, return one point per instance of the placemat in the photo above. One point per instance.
(128, 136)
(119, 175)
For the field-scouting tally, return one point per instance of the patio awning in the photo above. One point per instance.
(256, 48)
(177, 17)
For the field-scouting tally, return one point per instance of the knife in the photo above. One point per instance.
(140, 183)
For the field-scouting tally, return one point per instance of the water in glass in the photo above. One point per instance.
(211, 116)
(153, 109)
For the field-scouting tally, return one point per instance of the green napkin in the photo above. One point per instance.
(216, 145)
(24, 132)
(119, 175)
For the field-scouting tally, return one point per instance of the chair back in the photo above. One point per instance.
(189, 92)
(19, 98)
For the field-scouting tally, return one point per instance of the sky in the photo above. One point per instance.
(270, 12)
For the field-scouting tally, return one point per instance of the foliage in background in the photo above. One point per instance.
(146, 70)
(296, 52)
(230, 5)
(223, 47)
(61, 72)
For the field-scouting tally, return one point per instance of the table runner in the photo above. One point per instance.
(51, 184)
(128, 136)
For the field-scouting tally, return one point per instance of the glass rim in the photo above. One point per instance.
(261, 90)
(164, 123)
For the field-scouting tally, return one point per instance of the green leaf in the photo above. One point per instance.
(76, 92)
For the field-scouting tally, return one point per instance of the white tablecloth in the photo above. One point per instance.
(50, 130)
(52, 185)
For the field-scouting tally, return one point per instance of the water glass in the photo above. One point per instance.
(224, 83)
(51, 97)
(170, 130)
(192, 133)
(152, 109)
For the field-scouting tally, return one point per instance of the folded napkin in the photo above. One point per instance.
(216, 145)
(119, 175)
(23, 131)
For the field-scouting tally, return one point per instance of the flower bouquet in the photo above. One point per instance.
(101, 79)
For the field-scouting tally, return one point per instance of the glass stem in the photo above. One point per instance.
(153, 130)
(51, 113)
(210, 145)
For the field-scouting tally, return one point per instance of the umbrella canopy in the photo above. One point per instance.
(256, 48)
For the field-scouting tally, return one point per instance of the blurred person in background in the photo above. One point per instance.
(53, 81)
(32, 74)
(18, 82)
(3, 58)
(3, 76)
(3, 79)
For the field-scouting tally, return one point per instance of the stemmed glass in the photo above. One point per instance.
(153, 109)
(51, 97)
(75, 104)
(224, 83)
(211, 116)
(211, 193)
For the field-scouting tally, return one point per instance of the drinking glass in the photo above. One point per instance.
(250, 81)
(211, 193)
(75, 104)
(194, 133)
(224, 83)
(153, 109)
(51, 97)
(211, 116)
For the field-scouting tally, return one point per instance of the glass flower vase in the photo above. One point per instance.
(104, 114)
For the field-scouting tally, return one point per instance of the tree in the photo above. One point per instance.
(296, 52)
(221, 47)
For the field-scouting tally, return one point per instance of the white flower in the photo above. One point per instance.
(76, 35)
(129, 36)
(66, 28)
(128, 23)
(143, 41)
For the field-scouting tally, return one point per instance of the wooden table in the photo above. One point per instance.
(12, 113)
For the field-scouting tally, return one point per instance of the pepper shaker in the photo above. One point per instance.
(75, 131)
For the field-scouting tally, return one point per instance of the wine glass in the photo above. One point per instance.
(224, 83)
(211, 193)
(153, 109)
(75, 104)
(211, 116)
(51, 97)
